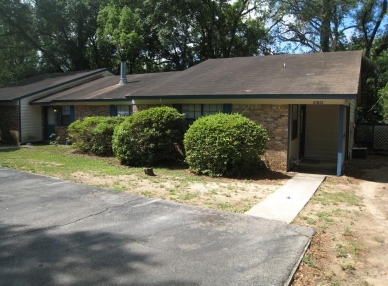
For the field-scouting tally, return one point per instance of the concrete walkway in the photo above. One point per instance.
(285, 203)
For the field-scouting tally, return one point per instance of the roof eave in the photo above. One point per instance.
(246, 96)
(62, 84)
(67, 101)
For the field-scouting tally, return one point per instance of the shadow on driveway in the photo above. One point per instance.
(59, 233)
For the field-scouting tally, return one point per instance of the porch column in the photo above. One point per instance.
(340, 140)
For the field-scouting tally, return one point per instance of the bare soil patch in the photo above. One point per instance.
(350, 215)
(219, 193)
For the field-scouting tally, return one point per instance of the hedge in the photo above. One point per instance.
(150, 137)
(225, 145)
(93, 135)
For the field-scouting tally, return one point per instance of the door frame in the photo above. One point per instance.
(49, 128)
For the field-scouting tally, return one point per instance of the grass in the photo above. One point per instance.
(325, 217)
(174, 184)
(355, 248)
(309, 260)
(347, 267)
(335, 198)
(188, 196)
(57, 162)
(347, 232)
(311, 221)
(340, 251)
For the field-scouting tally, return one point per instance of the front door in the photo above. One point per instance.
(50, 122)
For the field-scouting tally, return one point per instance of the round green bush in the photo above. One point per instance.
(93, 135)
(225, 145)
(150, 137)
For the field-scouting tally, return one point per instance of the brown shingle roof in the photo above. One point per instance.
(336, 73)
(106, 88)
(34, 85)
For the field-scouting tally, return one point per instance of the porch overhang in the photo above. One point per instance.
(318, 99)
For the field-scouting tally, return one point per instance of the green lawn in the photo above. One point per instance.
(174, 184)
(58, 161)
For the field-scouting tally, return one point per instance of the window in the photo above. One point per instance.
(120, 110)
(193, 111)
(66, 116)
(124, 110)
(294, 122)
(212, 108)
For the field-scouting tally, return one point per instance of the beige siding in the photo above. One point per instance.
(344, 137)
(352, 122)
(321, 131)
(31, 121)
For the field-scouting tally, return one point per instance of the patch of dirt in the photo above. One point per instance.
(350, 216)
(219, 193)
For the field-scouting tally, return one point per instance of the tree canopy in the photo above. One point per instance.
(44, 36)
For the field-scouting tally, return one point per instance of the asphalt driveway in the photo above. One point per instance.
(60, 233)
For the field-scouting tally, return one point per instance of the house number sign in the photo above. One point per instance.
(318, 102)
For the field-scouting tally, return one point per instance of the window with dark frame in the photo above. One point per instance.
(194, 111)
(65, 116)
(294, 122)
(124, 110)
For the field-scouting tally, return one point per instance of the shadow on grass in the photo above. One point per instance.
(6, 149)
(56, 257)
(262, 174)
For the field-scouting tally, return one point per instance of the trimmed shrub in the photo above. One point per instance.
(93, 135)
(225, 145)
(150, 137)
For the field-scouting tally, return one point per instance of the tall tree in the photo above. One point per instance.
(316, 25)
(180, 34)
(169, 32)
(229, 29)
(121, 28)
(18, 50)
(67, 30)
(369, 17)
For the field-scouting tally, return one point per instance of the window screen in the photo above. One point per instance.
(124, 110)
(192, 111)
(65, 116)
(212, 108)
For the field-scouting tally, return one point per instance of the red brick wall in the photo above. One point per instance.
(274, 118)
(9, 124)
(81, 111)
(61, 131)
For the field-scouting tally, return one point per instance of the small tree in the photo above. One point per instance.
(150, 136)
(225, 145)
